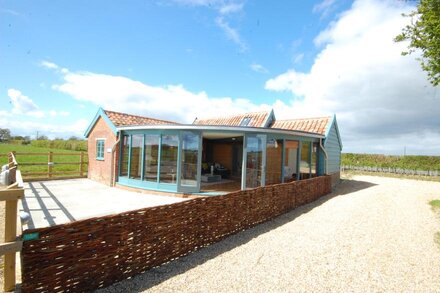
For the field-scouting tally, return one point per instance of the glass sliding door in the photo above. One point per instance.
(125, 149)
(151, 157)
(189, 162)
(305, 160)
(255, 160)
(290, 160)
(314, 170)
(168, 159)
(274, 161)
(137, 141)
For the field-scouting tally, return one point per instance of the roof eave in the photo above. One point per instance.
(270, 118)
(100, 114)
(220, 128)
(329, 127)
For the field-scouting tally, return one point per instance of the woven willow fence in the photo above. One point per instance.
(94, 253)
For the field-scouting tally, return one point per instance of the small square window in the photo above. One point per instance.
(100, 149)
(245, 121)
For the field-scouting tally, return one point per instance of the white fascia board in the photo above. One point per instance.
(220, 128)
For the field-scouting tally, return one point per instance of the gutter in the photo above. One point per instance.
(221, 128)
(325, 155)
(112, 164)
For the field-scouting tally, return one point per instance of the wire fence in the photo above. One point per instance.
(392, 170)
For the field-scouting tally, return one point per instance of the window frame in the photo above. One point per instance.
(245, 121)
(100, 149)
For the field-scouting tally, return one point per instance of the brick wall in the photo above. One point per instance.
(101, 170)
(94, 253)
(336, 178)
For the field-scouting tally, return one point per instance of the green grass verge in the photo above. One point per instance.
(402, 162)
(348, 174)
(57, 159)
(435, 204)
(437, 238)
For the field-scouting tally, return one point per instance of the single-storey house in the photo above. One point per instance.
(210, 155)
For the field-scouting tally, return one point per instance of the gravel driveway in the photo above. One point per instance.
(371, 234)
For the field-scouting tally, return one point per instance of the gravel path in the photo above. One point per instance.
(371, 234)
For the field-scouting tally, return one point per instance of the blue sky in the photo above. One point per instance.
(61, 60)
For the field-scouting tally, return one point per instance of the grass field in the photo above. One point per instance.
(58, 159)
(348, 174)
(403, 162)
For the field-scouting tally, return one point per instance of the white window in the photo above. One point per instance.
(100, 149)
(245, 121)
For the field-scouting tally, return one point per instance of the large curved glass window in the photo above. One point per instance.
(305, 160)
(136, 156)
(254, 160)
(124, 155)
(190, 147)
(168, 158)
(151, 159)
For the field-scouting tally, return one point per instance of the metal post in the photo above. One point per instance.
(244, 163)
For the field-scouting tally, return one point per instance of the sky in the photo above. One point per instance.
(181, 59)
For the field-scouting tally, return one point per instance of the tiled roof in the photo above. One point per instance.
(122, 119)
(315, 125)
(257, 119)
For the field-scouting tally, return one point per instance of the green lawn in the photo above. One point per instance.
(42, 158)
(403, 162)
(435, 204)
(347, 174)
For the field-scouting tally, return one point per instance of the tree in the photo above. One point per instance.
(424, 34)
(5, 134)
(27, 140)
(42, 137)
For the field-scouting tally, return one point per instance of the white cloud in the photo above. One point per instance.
(22, 104)
(222, 6)
(197, 2)
(53, 66)
(224, 9)
(298, 58)
(10, 11)
(54, 113)
(231, 33)
(361, 76)
(172, 102)
(48, 64)
(21, 127)
(231, 8)
(382, 100)
(324, 7)
(258, 68)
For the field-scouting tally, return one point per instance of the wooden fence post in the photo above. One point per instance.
(49, 164)
(81, 162)
(10, 235)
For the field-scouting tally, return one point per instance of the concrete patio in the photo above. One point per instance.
(61, 201)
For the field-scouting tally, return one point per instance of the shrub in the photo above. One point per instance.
(73, 145)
